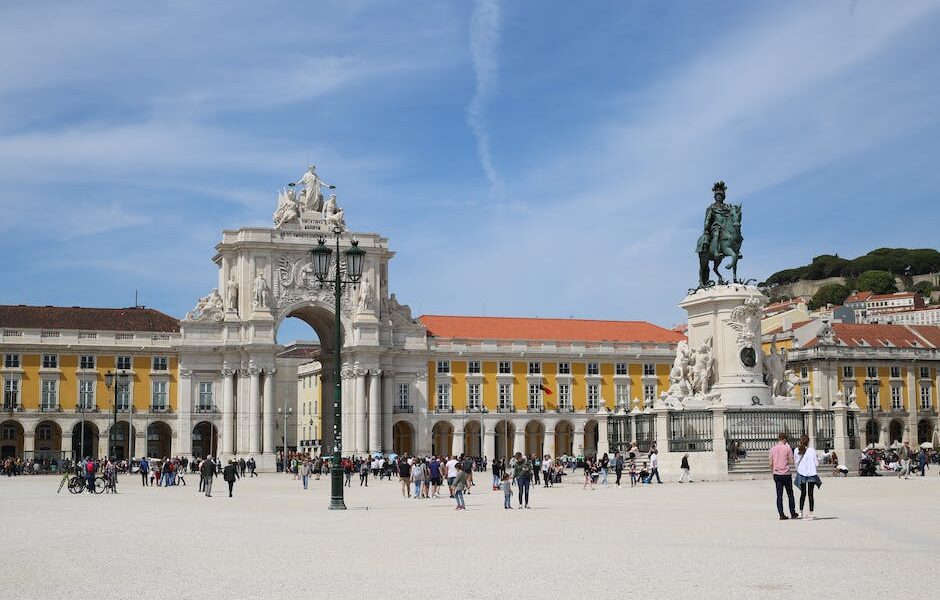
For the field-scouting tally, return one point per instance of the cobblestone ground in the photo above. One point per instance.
(872, 538)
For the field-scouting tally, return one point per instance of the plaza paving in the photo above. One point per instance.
(873, 538)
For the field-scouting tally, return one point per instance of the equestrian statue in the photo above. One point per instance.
(720, 239)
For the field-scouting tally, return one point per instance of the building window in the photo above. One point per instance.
(443, 367)
(505, 396)
(11, 394)
(8, 432)
(896, 403)
(872, 372)
(848, 372)
(623, 395)
(505, 367)
(593, 396)
(124, 363)
(159, 363)
(473, 367)
(86, 361)
(86, 393)
(443, 396)
(535, 368)
(535, 396)
(873, 397)
(205, 396)
(50, 361)
(925, 372)
(564, 396)
(44, 433)
(649, 392)
(804, 372)
(925, 397)
(649, 370)
(593, 368)
(11, 361)
(159, 397)
(403, 397)
(895, 372)
(804, 392)
(564, 368)
(473, 396)
(620, 369)
(123, 395)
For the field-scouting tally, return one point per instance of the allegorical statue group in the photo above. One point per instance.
(291, 205)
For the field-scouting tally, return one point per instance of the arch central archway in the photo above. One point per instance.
(87, 444)
(159, 436)
(564, 439)
(534, 437)
(205, 440)
(505, 438)
(442, 439)
(11, 439)
(123, 440)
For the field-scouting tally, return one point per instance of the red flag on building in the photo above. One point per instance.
(547, 391)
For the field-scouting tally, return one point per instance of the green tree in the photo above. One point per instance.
(831, 293)
(923, 288)
(878, 282)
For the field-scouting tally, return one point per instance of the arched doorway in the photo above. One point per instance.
(590, 439)
(505, 434)
(403, 438)
(205, 440)
(442, 439)
(473, 444)
(564, 439)
(872, 432)
(159, 436)
(48, 442)
(895, 431)
(123, 441)
(534, 438)
(924, 431)
(84, 444)
(11, 439)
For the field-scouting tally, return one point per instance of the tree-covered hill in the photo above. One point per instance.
(898, 261)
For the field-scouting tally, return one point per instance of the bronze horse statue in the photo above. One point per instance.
(721, 241)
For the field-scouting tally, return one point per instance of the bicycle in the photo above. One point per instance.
(78, 484)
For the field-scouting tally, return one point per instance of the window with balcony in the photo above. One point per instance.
(622, 393)
(871, 372)
(11, 393)
(443, 397)
(505, 396)
(86, 361)
(895, 372)
(649, 392)
(124, 363)
(473, 367)
(204, 404)
(11, 361)
(50, 361)
(620, 369)
(535, 396)
(804, 372)
(896, 402)
(535, 368)
(564, 396)
(804, 393)
(848, 372)
(925, 403)
(473, 396)
(404, 400)
(123, 396)
(593, 396)
(873, 397)
(564, 368)
(505, 367)
(593, 368)
(160, 363)
(158, 398)
(649, 370)
(86, 393)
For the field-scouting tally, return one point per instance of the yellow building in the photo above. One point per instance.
(56, 399)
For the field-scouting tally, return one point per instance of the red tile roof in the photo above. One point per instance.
(854, 335)
(86, 319)
(930, 334)
(859, 297)
(511, 328)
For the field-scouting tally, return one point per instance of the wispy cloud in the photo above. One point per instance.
(484, 48)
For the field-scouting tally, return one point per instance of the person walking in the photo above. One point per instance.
(654, 465)
(144, 468)
(922, 461)
(522, 473)
(781, 457)
(506, 485)
(497, 469)
(618, 467)
(804, 456)
(460, 486)
(604, 465)
(434, 470)
(307, 471)
(547, 470)
(904, 454)
(634, 473)
(451, 469)
(364, 473)
(229, 473)
(684, 467)
(404, 476)
(207, 474)
(417, 477)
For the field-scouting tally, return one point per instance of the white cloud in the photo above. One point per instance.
(484, 47)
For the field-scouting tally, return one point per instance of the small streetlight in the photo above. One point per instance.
(871, 391)
(287, 413)
(322, 255)
(115, 383)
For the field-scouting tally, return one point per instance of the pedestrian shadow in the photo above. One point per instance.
(825, 518)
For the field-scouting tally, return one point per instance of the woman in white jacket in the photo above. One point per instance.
(806, 461)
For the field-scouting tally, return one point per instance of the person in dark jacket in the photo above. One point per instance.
(686, 471)
(206, 473)
(229, 474)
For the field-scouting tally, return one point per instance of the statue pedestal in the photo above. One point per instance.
(728, 318)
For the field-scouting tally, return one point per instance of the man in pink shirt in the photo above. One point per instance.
(781, 457)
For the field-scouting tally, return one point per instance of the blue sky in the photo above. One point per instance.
(525, 159)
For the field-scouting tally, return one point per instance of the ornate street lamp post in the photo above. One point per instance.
(871, 388)
(287, 413)
(111, 384)
(321, 269)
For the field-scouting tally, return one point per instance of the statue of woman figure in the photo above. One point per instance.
(231, 294)
(261, 291)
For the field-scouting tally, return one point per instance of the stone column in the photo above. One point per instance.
(388, 389)
(268, 415)
(362, 426)
(633, 415)
(422, 434)
(662, 432)
(184, 414)
(719, 443)
(29, 443)
(518, 444)
(242, 409)
(348, 434)
(578, 444)
(489, 444)
(603, 442)
(228, 411)
(254, 409)
(548, 442)
(375, 411)
(883, 433)
(457, 447)
(840, 437)
(809, 412)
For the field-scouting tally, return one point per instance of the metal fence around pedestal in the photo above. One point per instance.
(645, 432)
(690, 431)
(757, 431)
(619, 432)
(851, 428)
(825, 430)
